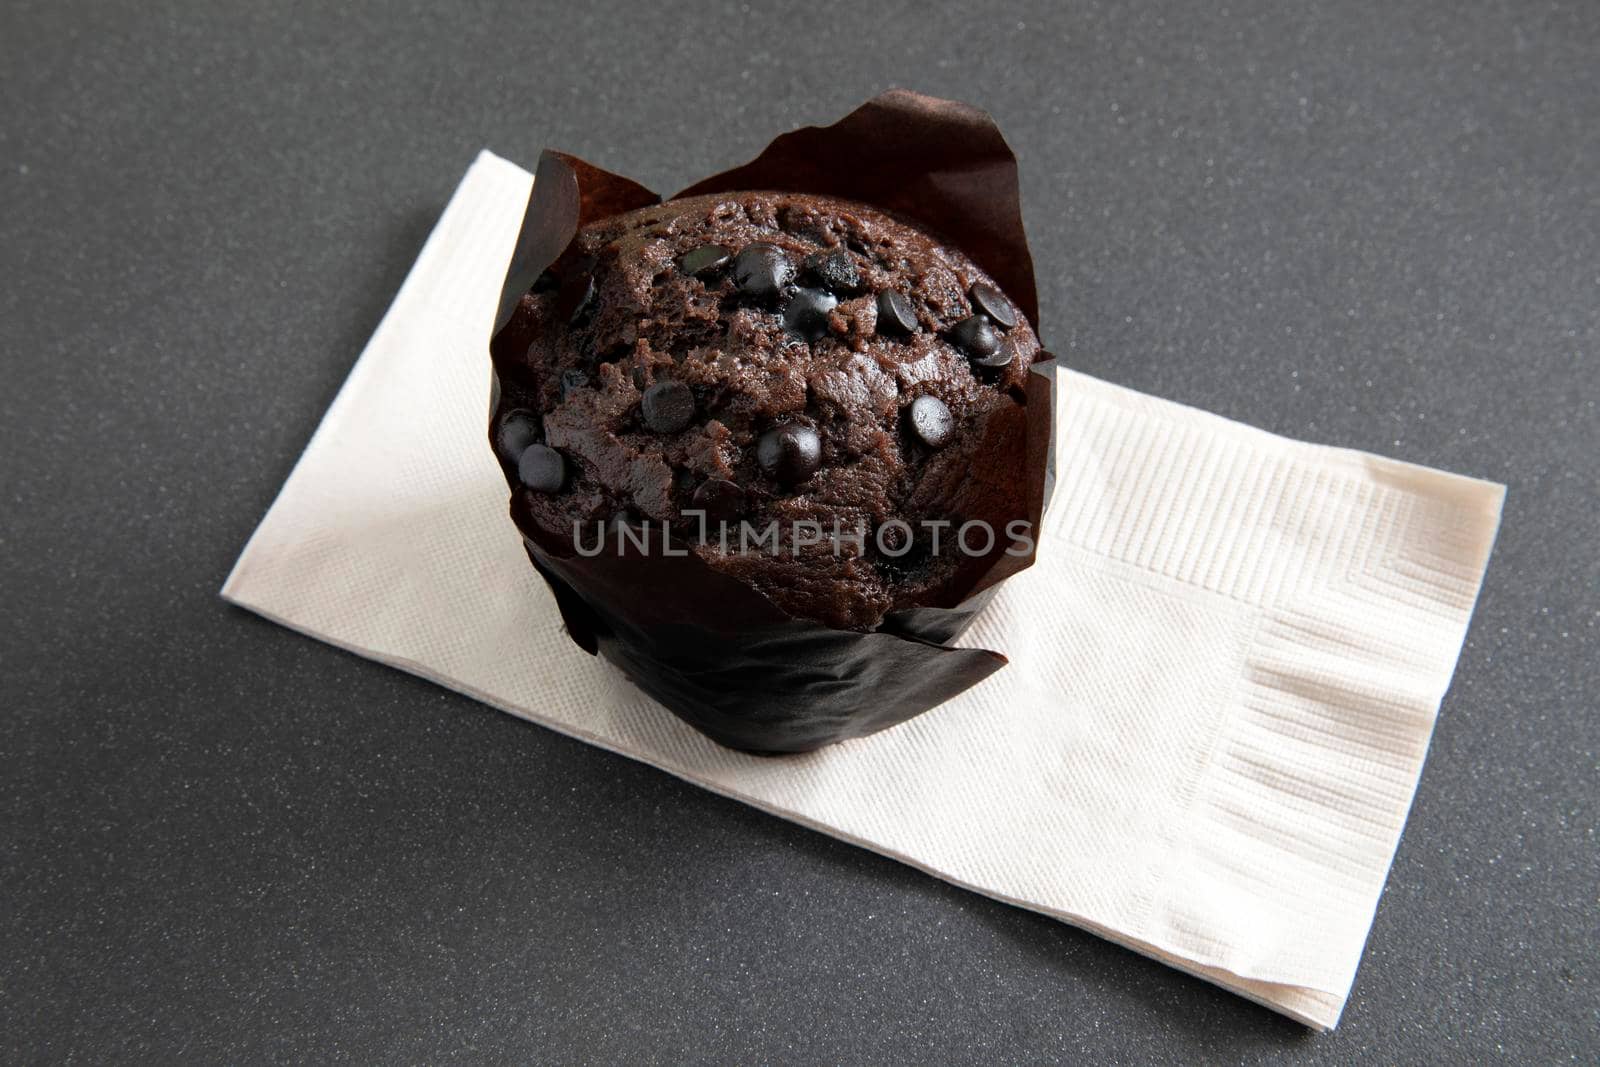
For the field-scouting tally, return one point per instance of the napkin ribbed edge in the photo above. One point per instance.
(1364, 572)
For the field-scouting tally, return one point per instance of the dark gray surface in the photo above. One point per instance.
(1373, 224)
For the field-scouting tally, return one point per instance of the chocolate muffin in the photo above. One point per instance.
(800, 388)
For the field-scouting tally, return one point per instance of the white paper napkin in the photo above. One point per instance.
(1224, 671)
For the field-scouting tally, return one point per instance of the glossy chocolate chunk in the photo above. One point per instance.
(931, 421)
(704, 260)
(834, 271)
(1000, 357)
(987, 300)
(807, 313)
(516, 432)
(720, 499)
(790, 453)
(542, 469)
(977, 337)
(896, 316)
(761, 271)
(667, 406)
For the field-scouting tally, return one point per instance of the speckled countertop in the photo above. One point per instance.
(1366, 224)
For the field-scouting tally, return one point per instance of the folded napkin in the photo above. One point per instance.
(1225, 665)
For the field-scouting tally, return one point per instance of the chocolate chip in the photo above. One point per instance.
(572, 381)
(704, 260)
(761, 270)
(834, 271)
(790, 453)
(807, 313)
(517, 431)
(667, 406)
(720, 499)
(542, 469)
(977, 337)
(932, 421)
(987, 300)
(896, 316)
(1000, 358)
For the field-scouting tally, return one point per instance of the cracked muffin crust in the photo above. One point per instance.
(765, 358)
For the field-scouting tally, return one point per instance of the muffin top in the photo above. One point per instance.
(804, 390)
